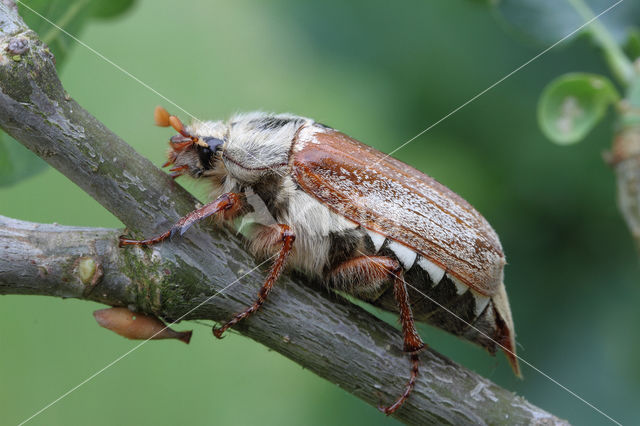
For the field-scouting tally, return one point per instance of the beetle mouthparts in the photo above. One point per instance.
(179, 142)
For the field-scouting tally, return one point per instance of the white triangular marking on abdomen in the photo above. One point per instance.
(377, 239)
(481, 302)
(435, 272)
(405, 255)
(460, 288)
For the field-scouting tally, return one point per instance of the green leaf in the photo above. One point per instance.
(546, 21)
(16, 161)
(571, 105)
(71, 15)
(111, 9)
(632, 45)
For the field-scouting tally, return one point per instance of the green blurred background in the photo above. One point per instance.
(381, 72)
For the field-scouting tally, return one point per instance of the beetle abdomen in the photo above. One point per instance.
(441, 300)
(436, 297)
(452, 307)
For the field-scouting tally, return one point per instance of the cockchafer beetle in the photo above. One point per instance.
(341, 211)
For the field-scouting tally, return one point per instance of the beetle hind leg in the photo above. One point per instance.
(415, 365)
(413, 344)
(367, 274)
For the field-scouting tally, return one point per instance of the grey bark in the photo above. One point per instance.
(336, 340)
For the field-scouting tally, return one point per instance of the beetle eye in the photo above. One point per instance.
(207, 153)
(214, 143)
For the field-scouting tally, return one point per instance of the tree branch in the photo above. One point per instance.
(334, 339)
(624, 157)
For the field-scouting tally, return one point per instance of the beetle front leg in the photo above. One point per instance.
(371, 272)
(271, 235)
(228, 205)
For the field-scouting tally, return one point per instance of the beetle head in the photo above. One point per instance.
(195, 150)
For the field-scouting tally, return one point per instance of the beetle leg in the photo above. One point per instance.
(413, 344)
(277, 234)
(372, 271)
(228, 205)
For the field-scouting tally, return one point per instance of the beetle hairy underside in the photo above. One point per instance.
(365, 223)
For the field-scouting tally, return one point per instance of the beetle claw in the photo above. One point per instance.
(385, 410)
(218, 332)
